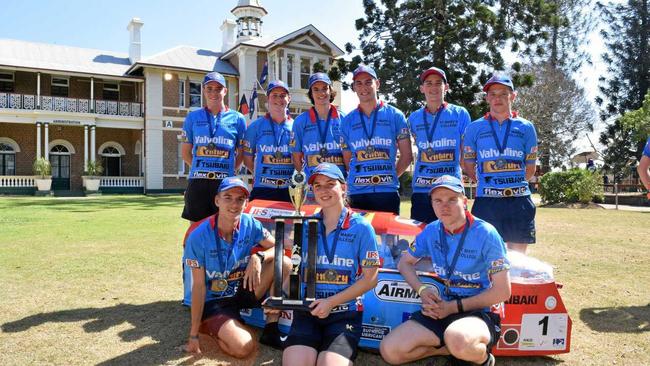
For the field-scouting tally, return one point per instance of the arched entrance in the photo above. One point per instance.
(60, 161)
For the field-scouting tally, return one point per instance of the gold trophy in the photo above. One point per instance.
(294, 299)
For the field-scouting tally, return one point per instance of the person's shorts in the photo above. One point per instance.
(199, 199)
(513, 217)
(272, 194)
(421, 208)
(217, 312)
(339, 332)
(438, 326)
(379, 201)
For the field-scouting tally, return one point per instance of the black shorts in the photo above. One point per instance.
(339, 332)
(421, 208)
(513, 217)
(272, 194)
(379, 201)
(199, 199)
(218, 311)
(438, 326)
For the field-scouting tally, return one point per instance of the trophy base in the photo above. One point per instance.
(287, 304)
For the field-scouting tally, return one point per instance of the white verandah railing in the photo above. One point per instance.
(121, 182)
(17, 181)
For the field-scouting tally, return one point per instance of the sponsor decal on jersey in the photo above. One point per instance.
(272, 160)
(216, 152)
(373, 167)
(504, 192)
(504, 180)
(508, 152)
(336, 278)
(314, 160)
(209, 164)
(495, 166)
(438, 156)
(192, 263)
(336, 261)
(209, 175)
(375, 141)
(379, 179)
(273, 171)
(204, 140)
(376, 154)
(267, 213)
(370, 263)
(396, 291)
(424, 181)
(278, 182)
(437, 144)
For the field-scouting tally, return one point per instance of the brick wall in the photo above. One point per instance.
(126, 138)
(174, 183)
(25, 82)
(25, 137)
(170, 152)
(170, 92)
(79, 88)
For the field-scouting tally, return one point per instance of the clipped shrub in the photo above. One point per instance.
(575, 185)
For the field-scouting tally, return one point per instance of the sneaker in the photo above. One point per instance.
(490, 361)
(271, 336)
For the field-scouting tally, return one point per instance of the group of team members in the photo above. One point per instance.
(351, 161)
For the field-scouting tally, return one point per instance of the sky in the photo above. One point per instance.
(102, 25)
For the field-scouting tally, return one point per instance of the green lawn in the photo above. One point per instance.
(98, 281)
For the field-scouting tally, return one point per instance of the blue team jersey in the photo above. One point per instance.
(646, 150)
(439, 146)
(501, 173)
(356, 247)
(269, 142)
(313, 136)
(201, 251)
(373, 162)
(483, 254)
(214, 139)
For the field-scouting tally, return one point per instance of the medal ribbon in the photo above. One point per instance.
(500, 147)
(329, 252)
(445, 250)
(217, 238)
(323, 134)
(374, 123)
(276, 140)
(432, 131)
(213, 122)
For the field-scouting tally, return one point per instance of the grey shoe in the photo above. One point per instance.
(490, 361)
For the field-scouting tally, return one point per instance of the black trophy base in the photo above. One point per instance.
(287, 304)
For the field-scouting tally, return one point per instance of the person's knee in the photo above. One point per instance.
(389, 352)
(458, 343)
(243, 349)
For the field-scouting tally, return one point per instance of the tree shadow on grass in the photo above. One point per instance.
(623, 319)
(165, 322)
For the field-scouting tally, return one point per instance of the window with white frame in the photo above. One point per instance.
(305, 70)
(112, 161)
(60, 86)
(290, 71)
(181, 93)
(7, 160)
(111, 91)
(6, 82)
(195, 94)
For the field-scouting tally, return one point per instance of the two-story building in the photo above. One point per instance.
(73, 105)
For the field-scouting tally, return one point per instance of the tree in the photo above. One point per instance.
(466, 38)
(638, 121)
(560, 110)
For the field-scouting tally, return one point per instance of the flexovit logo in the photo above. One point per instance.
(379, 179)
(376, 154)
(438, 156)
(396, 291)
(494, 166)
(209, 175)
(215, 152)
(424, 181)
(314, 160)
(273, 181)
(504, 192)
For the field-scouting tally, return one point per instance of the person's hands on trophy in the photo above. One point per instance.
(252, 274)
(321, 308)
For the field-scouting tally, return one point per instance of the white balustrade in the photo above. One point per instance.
(17, 181)
(121, 182)
(15, 101)
(4, 102)
(29, 101)
(71, 105)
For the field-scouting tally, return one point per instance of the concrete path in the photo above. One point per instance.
(625, 207)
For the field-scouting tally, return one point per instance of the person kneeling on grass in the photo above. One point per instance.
(470, 257)
(228, 274)
(330, 333)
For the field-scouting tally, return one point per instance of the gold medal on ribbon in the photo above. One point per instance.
(219, 285)
(330, 275)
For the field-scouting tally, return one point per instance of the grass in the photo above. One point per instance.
(98, 281)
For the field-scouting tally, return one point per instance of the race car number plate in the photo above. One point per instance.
(543, 332)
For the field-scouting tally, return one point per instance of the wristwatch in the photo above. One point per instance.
(261, 255)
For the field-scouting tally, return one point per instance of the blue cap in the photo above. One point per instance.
(233, 182)
(434, 71)
(214, 76)
(277, 84)
(499, 79)
(449, 182)
(364, 69)
(328, 170)
(319, 76)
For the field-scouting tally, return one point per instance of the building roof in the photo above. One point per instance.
(32, 55)
(188, 58)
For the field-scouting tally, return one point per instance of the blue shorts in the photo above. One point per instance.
(513, 217)
(339, 332)
(379, 201)
(421, 208)
(271, 194)
(438, 326)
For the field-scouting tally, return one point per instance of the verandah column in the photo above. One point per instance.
(38, 140)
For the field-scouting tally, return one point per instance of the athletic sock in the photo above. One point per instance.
(271, 336)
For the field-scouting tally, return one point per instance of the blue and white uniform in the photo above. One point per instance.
(352, 245)
(501, 153)
(313, 136)
(214, 139)
(483, 253)
(221, 260)
(373, 144)
(269, 142)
